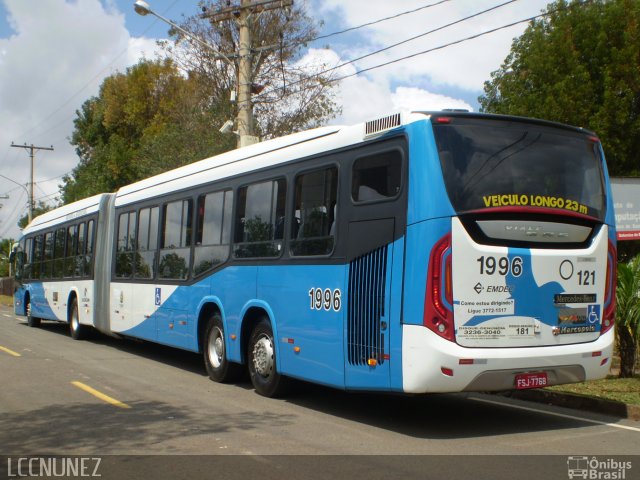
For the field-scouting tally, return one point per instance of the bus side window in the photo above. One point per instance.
(125, 246)
(47, 265)
(72, 247)
(79, 254)
(147, 244)
(377, 177)
(88, 259)
(26, 275)
(213, 230)
(312, 233)
(36, 266)
(260, 219)
(58, 253)
(175, 253)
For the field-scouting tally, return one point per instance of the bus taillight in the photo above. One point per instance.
(437, 315)
(609, 314)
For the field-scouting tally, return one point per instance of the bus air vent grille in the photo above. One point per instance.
(367, 285)
(378, 125)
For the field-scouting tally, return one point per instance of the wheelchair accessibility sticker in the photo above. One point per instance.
(593, 314)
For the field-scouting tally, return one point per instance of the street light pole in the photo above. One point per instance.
(242, 15)
(245, 79)
(244, 118)
(32, 152)
(143, 8)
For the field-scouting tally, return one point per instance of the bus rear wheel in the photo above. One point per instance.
(76, 329)
(32, 321)
(214, 351)
(261, 357)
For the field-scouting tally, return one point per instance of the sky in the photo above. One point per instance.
(54, 54)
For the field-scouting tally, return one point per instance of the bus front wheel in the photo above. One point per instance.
(215, 353)
(262, 363)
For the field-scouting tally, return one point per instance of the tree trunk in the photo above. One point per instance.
(628, 352)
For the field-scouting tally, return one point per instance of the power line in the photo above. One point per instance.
(368, 24)
(389, 47)
(12, 219)
(455, 42)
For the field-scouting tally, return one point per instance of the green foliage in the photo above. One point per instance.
(579, 65)
(143, 122)
(628, 315)
(166, 113)
(5, 251)
(39, 209)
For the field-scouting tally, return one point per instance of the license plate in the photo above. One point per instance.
(531, 380)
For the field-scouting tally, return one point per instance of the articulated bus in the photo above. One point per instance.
(418, 252)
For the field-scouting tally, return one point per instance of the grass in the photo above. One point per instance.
(625, 390)
(6, 300)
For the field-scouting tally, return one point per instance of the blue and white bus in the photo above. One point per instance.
(419, 252)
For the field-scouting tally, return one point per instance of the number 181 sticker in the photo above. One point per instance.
(325, 299)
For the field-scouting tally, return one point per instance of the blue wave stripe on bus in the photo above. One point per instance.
(527, 305)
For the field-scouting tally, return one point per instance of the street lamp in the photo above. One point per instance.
(244, 117)
(30, 214)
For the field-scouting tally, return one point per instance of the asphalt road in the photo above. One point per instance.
(118, 399)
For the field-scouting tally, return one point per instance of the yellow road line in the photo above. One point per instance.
(100, 395)
(10, 352)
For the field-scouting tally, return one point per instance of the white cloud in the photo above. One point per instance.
(411, 98)
(56, 58)
(464, 66)
(363, 98)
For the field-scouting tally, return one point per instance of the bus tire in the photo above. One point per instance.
(214, 351)
(76, 329)
(262, 362)
(33, 322)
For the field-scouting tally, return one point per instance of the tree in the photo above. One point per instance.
(39, 209)
(579, 65)
(628, 315)
(145, 121)
(5, 251)
(294, 96)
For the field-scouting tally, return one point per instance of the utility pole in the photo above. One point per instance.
(32, 153)
(243, 14)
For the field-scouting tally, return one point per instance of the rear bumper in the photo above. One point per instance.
(425, 355)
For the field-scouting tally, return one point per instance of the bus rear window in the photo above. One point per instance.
(498, 163)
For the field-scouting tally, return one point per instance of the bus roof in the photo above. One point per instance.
(261, 155)
(70, 211)
(506, 118)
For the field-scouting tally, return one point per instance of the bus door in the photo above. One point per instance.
(376, 215)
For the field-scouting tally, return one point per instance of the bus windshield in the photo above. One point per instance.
(489, 163)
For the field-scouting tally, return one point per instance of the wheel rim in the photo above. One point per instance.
(216, 347)
(29, 310)
(263, 356)
(75, 321)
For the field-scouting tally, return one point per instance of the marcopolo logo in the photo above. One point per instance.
(65, 467)
(593, 468)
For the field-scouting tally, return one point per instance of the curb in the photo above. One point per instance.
(578, 402)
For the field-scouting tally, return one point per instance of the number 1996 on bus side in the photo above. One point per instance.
(325, 299)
